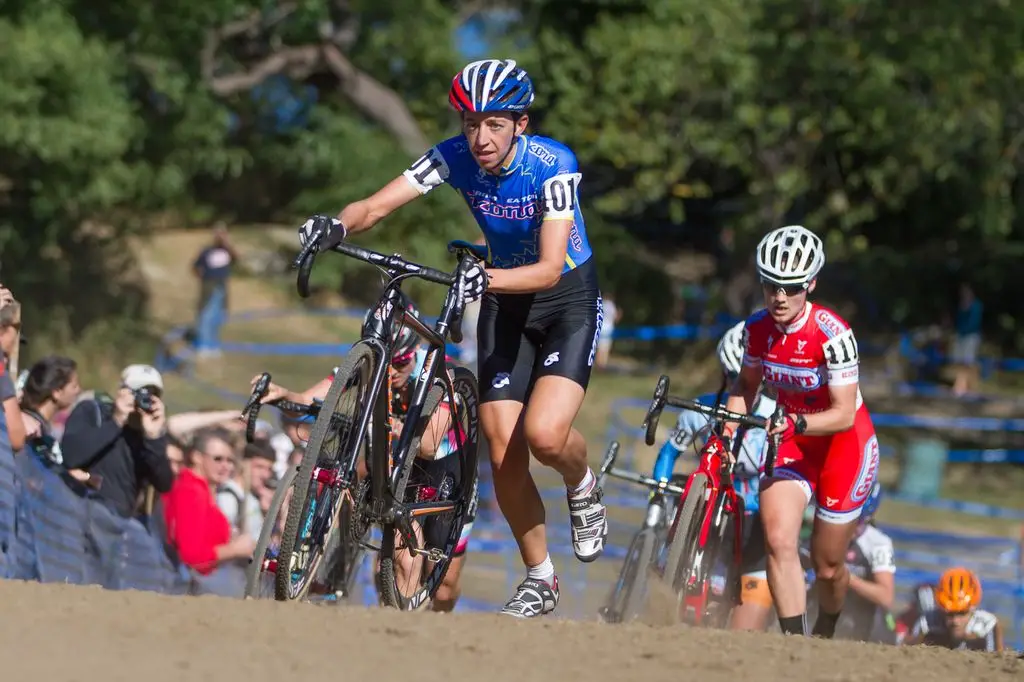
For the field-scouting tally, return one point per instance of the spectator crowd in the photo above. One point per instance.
(200, 490)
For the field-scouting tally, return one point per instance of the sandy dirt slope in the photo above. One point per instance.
(58, 632)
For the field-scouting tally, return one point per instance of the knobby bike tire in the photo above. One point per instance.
(718, 617)
(465, 386)
(254, 571)
(359, 363)
(681, 551)
(627, 598)
(345, 552)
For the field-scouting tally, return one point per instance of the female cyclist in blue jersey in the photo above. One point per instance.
(540, 314)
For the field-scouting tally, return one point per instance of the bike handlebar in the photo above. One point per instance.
(718, 413)
(304, 263)
(394, 264)
(251, 411)
(608, 469)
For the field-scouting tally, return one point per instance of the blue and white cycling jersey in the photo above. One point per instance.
(539, 182)
(749, 462)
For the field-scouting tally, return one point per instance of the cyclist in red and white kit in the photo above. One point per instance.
(808, 355)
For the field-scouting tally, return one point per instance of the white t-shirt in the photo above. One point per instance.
(608, 319)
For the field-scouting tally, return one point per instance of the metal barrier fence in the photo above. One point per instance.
(48, 533)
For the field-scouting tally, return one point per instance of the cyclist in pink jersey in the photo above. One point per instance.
(829, 452)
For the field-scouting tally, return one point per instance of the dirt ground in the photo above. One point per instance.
(60, 632)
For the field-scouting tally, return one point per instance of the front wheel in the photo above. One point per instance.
(406, 580)
(629, 593)
(680, 565)
(259, 574)
(319, 490)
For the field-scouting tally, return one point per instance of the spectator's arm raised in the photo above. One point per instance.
(87, 436)
(153, 455)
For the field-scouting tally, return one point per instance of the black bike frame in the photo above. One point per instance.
(384, 486)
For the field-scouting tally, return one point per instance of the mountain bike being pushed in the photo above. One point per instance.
(420, 521)
(706, 537)
(628, 596)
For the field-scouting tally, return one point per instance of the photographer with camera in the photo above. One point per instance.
(121, 441)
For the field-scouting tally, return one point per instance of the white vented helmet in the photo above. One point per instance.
(730, 349)
(790, 255)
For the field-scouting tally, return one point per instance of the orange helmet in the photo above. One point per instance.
(958, 590)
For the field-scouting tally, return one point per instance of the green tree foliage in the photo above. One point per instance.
(895, 130)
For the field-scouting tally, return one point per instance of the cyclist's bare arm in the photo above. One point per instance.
(881, 590)
(997, 637)
(363, 214)
(545, 273)
(315, 392)
(840, 414)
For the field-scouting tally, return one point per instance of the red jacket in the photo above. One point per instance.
(195, 525)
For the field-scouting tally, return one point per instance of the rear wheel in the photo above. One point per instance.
(407, 581)
(318, 492)
(721, 571)
(628, 594)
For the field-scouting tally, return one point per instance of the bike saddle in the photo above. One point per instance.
(461, 247)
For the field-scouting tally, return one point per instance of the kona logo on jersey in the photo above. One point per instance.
(784, 376)
(506, 210)
(575, 239)
(829, 323)
(868, 472)
(546, 157)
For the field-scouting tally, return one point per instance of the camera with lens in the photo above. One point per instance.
(143, 399)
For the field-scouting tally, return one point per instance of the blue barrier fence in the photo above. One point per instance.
(48, 533)
(675, 332)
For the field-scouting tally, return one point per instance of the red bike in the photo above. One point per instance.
(709, 516)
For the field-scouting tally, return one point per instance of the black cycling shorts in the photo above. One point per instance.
(523, 337)
(431, 474)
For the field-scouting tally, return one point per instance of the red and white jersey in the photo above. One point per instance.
(800, 361)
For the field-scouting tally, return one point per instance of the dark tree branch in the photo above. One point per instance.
(372, 97)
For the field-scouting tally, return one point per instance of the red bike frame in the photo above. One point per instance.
(720, 498)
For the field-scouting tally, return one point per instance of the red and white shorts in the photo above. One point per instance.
(838, 471)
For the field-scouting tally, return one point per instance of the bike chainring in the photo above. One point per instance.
(361, 518)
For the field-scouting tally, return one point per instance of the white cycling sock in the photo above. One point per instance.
(544, 571)
(585, 486)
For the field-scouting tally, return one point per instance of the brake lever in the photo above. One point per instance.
(777, 419)
(251, 411)
(455, 323)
